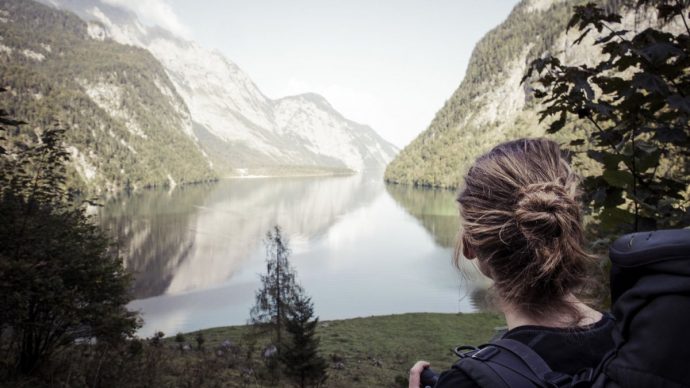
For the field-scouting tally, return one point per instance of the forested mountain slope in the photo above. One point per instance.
(241, 129)
(126, 124)
(491, 105)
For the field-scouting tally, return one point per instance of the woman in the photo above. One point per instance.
(522, 222)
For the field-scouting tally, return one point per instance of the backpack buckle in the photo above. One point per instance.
(485, 353)
(465, 351)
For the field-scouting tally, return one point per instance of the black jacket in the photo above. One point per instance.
(564, 350)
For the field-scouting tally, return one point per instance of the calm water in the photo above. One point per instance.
(360, 248)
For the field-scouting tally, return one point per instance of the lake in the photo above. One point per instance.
(360, 247)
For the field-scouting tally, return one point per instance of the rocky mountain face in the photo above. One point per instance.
(240, 129)
(126, 124)
(491, 105)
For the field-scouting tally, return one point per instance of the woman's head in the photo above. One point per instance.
(521, 219)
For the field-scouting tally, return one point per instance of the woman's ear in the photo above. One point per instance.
(469, 253)
(467, 249)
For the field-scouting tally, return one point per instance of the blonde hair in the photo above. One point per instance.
(521, 217)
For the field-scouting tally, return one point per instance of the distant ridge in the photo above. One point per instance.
(253, 130)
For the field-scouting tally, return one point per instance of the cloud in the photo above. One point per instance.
(156, 12)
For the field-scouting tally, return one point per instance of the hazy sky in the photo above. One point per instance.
(389, 64)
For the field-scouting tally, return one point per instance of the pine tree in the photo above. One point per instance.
(279, 288)
(303, 365)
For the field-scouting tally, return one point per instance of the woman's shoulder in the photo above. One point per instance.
(566, 350)
(571, 349)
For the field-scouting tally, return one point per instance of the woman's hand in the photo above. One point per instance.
(416, 372)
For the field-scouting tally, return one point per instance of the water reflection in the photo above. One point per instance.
(359, 249)
(155, 233)
(198, 236)
(435, 209)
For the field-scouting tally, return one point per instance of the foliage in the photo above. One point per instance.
(200, 340)
(637, 99)
(303, 365)
(180, 339)
(59, 281)
(279, 290)
(157, 338)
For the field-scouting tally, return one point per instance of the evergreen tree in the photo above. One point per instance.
(59, 281)
(279, 290)
(303, 365)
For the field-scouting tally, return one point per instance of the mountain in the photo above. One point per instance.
(240, 128)
(127, 125)
(490, 105)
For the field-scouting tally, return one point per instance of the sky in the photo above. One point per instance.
(388, 64)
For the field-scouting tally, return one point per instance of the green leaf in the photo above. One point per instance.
(647, 161)
(615, 218)
(558, 124)
(611, 160)
(618, 178)
(671, 135)
(646, 147)
(651, 83)
(679, 102)
(614, 197)
(660, 52)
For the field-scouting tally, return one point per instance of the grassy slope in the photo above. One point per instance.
(375, 351)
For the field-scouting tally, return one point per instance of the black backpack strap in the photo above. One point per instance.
(510, 363)
(534, 362)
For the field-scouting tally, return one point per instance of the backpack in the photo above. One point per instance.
(650, 294)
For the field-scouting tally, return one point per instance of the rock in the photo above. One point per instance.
(269, 351)
(226, 345)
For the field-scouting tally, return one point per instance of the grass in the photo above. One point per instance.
(378, 350)
(375, 351)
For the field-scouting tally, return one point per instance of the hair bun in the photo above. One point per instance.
(542, 211)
